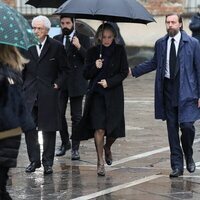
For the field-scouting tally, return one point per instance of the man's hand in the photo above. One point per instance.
(198, 103)
(55, 86)
(76, 43)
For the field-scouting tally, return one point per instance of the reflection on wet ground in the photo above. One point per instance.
(140, 169)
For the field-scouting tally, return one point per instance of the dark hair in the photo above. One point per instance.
(180, 19)
(103, 27)
(63, 16)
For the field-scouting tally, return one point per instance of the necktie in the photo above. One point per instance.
(172, 59)
(67, 42)
(40, 45)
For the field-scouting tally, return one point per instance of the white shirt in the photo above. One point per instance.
(70, 37)
(40, 49)
(177, 39)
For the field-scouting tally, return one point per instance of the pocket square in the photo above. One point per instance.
(51, 59)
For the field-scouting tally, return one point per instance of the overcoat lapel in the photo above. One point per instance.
(34, 53)
(44, 49)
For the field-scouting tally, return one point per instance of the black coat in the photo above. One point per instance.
(39, 76)
(13, 114)
(114, 95)
(195, 26)
(75, 84)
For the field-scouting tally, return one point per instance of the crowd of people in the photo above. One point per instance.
(67, 68)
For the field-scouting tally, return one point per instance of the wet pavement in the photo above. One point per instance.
(140, 170)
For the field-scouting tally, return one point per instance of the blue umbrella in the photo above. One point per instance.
(14, 29)
(106, 10)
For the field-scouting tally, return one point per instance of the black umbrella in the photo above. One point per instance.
(106, 10)
(46, 3)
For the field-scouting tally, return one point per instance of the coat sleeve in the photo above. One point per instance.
(85, 44)
(147, 66)
(197, 64)
(63, 66)
(194, 24)
(123, 72)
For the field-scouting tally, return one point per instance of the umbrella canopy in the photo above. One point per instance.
(46, 3)
(14, 28)
(106, 10)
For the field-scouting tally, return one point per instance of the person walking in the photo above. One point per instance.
(102, 116)
(43, 76)
(194, 24)
(14, 115)
(177, 89)
(74, 87)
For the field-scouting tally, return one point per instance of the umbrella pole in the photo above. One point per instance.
(100, 53)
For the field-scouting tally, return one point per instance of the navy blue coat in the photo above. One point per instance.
(189, 66)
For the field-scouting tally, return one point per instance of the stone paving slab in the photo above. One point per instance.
(141, 162)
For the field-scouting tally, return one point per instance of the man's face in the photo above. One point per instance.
(40, 30)
(66, 25)
(172, 25)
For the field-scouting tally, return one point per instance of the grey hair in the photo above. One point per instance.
(44, 19)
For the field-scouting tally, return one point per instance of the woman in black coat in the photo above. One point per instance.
(106, 67)
(14, 117)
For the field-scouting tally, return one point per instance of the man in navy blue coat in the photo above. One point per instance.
(177, 94)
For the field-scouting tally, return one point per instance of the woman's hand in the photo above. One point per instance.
(99, 63)
(103, 83)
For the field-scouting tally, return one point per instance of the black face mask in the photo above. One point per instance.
(67, 31)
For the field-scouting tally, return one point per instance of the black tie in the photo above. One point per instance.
(40, 45)
(67, 42)
(172, 59)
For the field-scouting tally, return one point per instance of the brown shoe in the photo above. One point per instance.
(108, 155)
(100, 169)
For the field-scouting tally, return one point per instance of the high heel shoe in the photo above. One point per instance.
(108, 155)
(100, 169)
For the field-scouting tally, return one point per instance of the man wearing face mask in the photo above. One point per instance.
(75, 86)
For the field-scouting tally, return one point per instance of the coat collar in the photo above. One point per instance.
(33, 50)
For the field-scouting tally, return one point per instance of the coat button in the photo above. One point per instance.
(75, 66)
(74, 55)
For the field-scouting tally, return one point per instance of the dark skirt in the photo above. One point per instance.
(97, 115)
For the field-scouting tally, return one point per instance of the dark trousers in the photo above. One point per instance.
(76, 114)
(173, 125)
(33, 146)
(3, 178)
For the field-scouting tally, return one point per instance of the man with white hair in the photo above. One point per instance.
(43, 77)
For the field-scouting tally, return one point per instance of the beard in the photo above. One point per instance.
(172, 32)
(67, 31)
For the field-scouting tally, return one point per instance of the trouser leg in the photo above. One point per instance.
(187, 138)
(49, 140)
(33, 146)
(64, 134)
(76, 114)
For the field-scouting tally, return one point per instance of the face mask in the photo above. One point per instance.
(67, 31)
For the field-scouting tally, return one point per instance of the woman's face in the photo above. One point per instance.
(108, 38)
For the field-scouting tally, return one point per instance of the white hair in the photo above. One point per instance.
(44, 19)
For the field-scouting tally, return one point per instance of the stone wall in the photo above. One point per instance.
(10, 2)
(162, 7)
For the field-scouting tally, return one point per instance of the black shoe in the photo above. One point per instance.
(48, 170)
(190, 165)
(63, 148)
(108, 155)
(75, 155)
(176, 173)
(32, 166)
